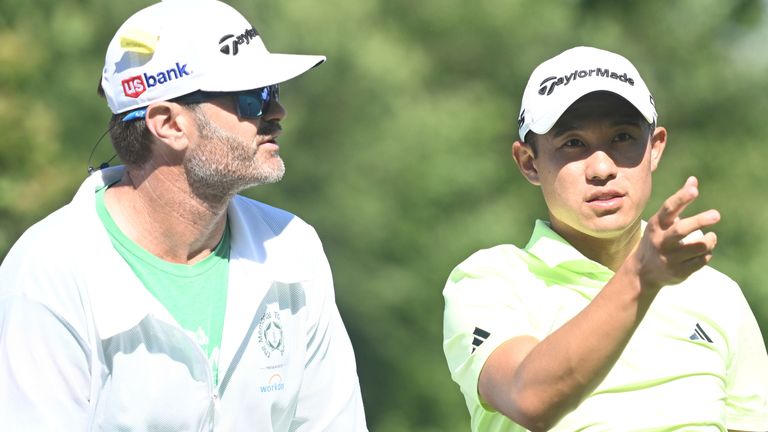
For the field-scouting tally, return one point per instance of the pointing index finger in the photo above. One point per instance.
(675, 204)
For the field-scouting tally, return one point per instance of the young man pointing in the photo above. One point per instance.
(602, 321)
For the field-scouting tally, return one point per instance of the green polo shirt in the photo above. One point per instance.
(697, 362)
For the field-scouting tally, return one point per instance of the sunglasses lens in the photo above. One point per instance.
(253, 104)
(249, 105)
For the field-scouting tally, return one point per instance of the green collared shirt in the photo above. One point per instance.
(697, 362)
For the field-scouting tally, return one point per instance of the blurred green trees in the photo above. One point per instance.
(398, 147)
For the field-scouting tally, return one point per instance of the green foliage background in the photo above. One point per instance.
(398, 148)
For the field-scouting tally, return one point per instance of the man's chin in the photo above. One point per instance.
(265, 177)
(611, 226)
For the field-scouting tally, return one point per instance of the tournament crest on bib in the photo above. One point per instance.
(270, 333)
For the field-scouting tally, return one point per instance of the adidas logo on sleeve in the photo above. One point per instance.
(699, 334)
(480, 337)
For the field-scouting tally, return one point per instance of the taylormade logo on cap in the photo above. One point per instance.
(243, 38)
(134, 86)
(549, 84)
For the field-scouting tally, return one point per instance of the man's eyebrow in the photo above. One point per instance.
(565, 127)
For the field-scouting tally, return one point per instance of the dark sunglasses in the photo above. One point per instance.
(249, 103)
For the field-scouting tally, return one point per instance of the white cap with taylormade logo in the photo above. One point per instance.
(560, 81)
(176, 47)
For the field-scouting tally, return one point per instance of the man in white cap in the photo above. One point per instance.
(159, 299)
(602, 321)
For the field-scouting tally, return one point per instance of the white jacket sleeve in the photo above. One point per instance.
(329, 399)
(45, 373)
(44, 369)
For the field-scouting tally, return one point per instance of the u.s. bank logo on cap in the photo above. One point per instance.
(135, 86)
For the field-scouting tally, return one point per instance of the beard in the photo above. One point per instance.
(222, 164)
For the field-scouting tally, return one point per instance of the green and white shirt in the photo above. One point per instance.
(697, 362)
(195, 295)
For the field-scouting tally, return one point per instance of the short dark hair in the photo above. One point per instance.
(131, 140)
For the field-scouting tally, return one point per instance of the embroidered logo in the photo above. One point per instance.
(135, 86)
(229, 44)
(699, 334)
(480, 337)
(270, 334)
(548, 85)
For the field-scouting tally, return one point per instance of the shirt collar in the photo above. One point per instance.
(556, 252)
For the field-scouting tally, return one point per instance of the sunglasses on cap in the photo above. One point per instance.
(249, 103)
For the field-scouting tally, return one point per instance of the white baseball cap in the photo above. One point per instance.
(560, 81)
(176, 47)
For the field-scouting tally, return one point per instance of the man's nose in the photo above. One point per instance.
(275, 111)
(600, 166)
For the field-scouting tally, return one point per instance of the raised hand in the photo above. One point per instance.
(666, 255)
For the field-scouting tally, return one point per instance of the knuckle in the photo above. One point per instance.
(667, 207)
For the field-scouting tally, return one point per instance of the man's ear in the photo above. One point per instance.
(524, 158)
(168, 122)
(658, 144)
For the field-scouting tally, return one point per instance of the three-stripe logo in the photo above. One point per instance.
(480, 337)
(699, 334)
